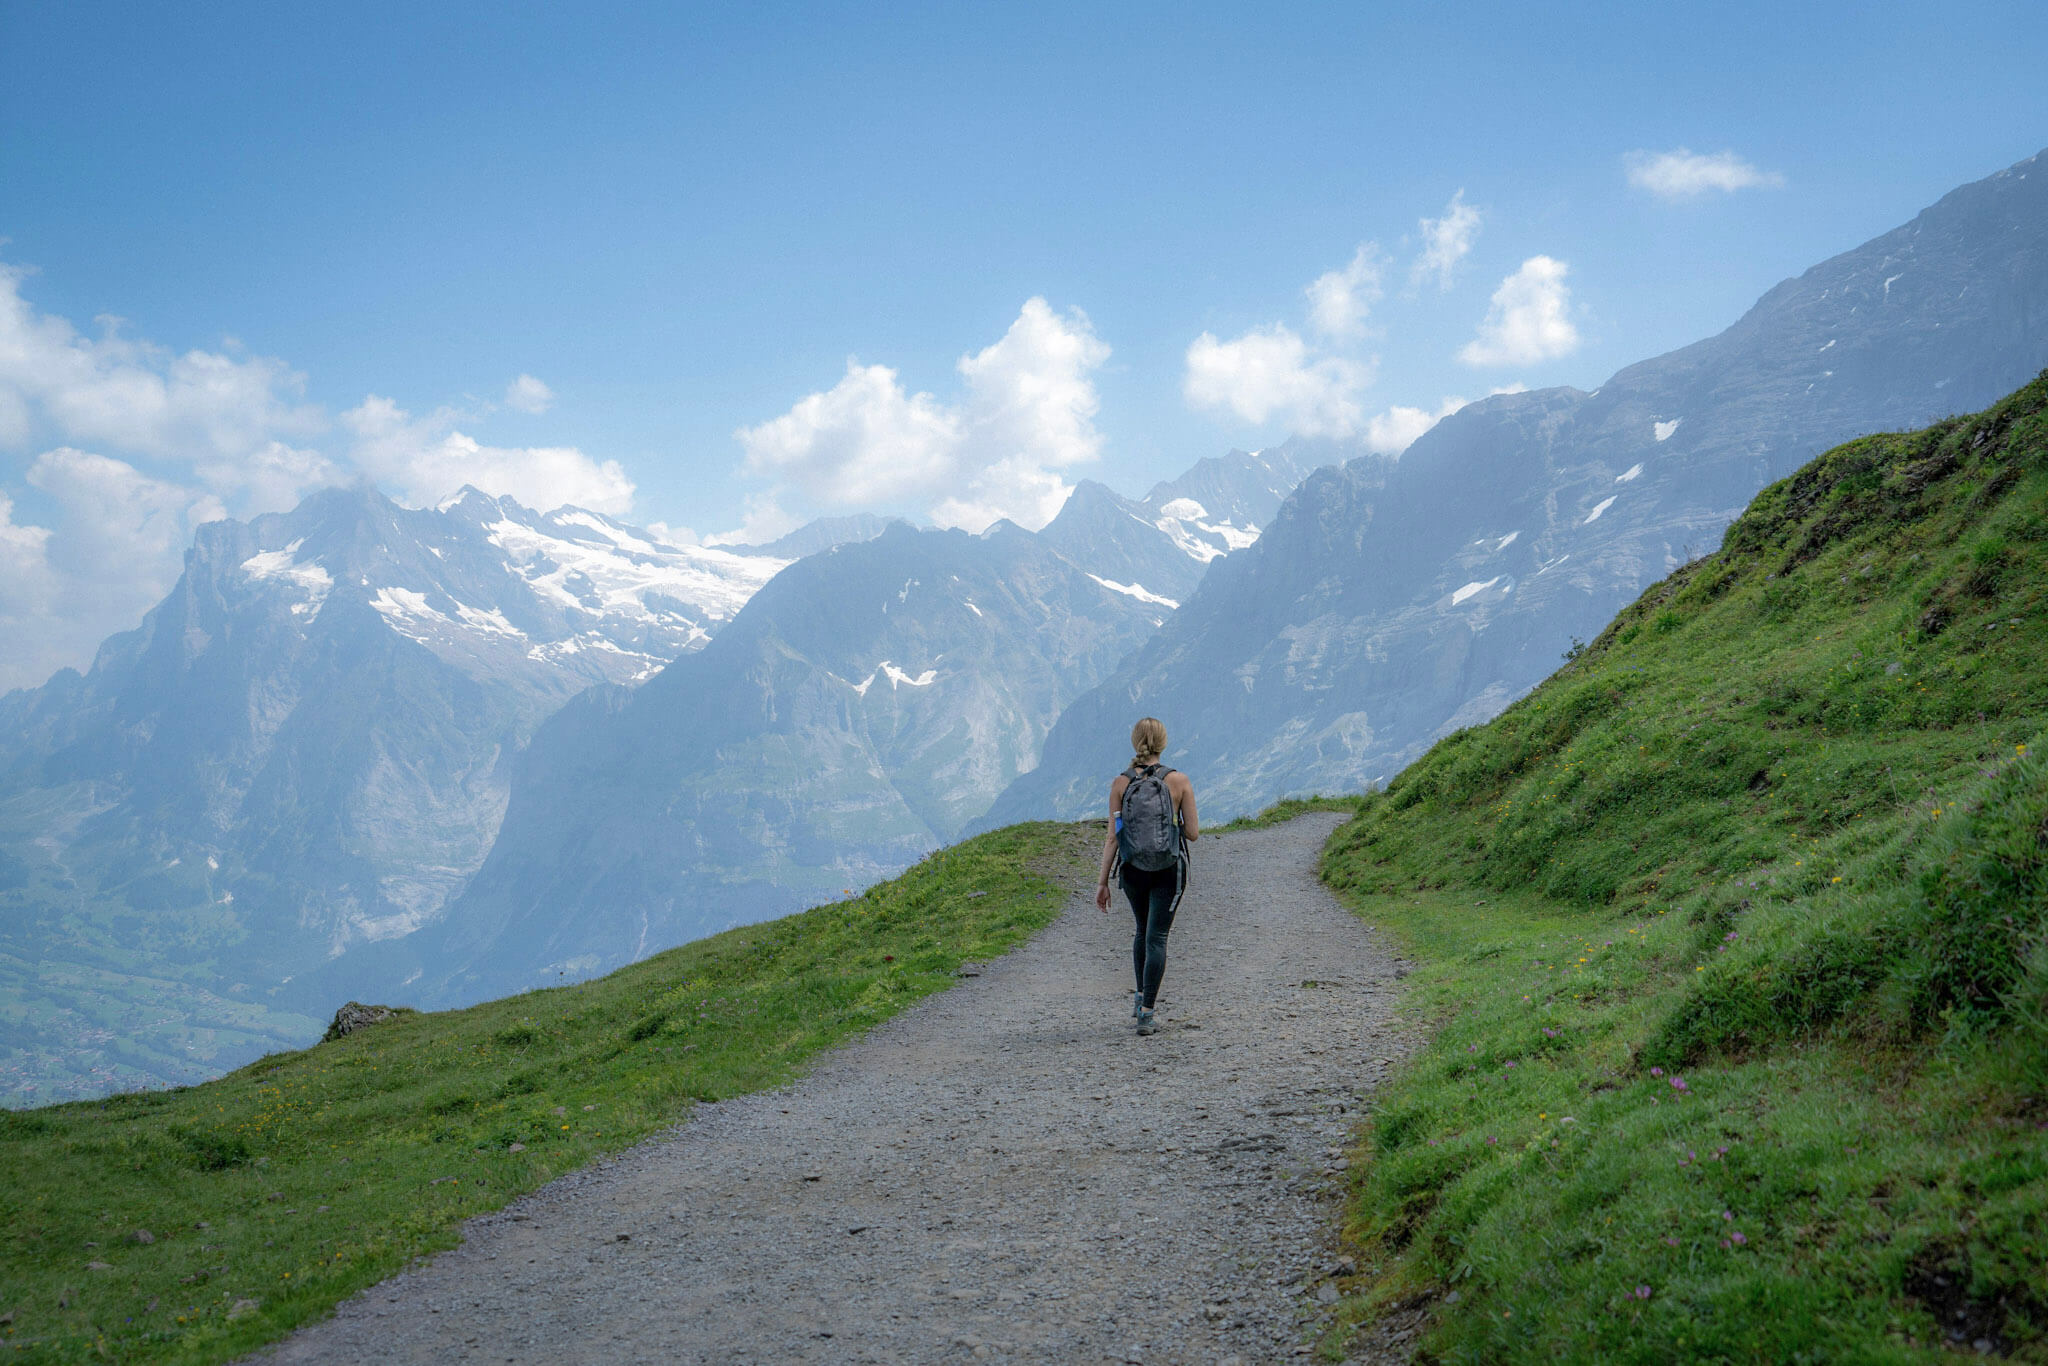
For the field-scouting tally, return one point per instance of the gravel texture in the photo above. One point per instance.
(1006, 1171)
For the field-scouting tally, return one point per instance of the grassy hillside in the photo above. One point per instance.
(1737, 929)
(193, 1225)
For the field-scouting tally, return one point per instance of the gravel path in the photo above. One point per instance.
(1005, 1171)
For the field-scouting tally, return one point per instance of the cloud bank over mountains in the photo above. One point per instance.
(126, 446)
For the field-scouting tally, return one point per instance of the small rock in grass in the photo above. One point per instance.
(241, 1309)
(515, 1147)
(142, 1235)
(98, 1266)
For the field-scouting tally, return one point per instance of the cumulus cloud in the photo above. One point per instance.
(1027, 412)
(1446, 241)
(1271, 373)
(1339, 300)
(529, 395)
(427, 459)
(231, 417)
(1529, 319)
(1685, 174)
(1395, 430)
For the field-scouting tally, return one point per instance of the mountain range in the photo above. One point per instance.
(263, 798)
(1389, 604)
(432, 755)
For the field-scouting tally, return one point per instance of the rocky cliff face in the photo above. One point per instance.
(1387, 606)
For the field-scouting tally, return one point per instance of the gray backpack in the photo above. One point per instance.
(1148, 825)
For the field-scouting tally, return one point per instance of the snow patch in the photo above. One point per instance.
(1888, 283)
(1506, 541)
(1600, 507)
(311, 579)
(1471, 588)
(1831, 342)
(1183, 510)
(1665, 429)
(615, 574)
(972, 608)
(1135, 590)
(898, 678)
(1628, 474)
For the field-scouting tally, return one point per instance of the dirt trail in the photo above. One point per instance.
(1006, 1171)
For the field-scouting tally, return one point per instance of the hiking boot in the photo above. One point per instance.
(1148, 1023)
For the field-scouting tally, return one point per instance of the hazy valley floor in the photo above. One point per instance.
(1004, 1171)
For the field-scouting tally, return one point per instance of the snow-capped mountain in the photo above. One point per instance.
(261, 800)
(1388, 605)
(1155, 550)
(304, 749)
(854, 716)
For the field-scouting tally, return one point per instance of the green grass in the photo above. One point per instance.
(1739, 925)
(272, 1193)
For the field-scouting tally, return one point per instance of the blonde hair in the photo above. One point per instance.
(1148, 740)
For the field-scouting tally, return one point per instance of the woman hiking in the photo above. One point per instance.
(1151, 821)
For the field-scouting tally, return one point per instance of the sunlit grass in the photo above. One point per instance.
(1733, 932)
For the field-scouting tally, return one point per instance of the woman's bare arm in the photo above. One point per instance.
(1116, 800)
(1185, 797)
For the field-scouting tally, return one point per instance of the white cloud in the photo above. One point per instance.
(529, 395)
(116, 548)
(1395, 430)
(1339, 300)
(427, 459)
(225, 413)
(1028, 412)
(1528, 320)
(1447, 240)
(765, 520)
(1271, 373)
(1684, 174)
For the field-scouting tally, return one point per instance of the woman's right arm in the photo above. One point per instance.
(1116, 800)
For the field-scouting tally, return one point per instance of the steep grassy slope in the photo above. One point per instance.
(193, 1225)
(1738, 931)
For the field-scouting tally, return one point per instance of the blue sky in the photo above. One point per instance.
(368, 220)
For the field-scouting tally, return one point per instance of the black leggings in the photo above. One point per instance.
(1154, 897)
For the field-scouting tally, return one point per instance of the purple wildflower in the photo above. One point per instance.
(1737, 1238)
(1642, 1292)
(1678, 1084)
(1656, 1071)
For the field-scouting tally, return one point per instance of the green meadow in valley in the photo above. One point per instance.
(1734, 936)
(194, 1225)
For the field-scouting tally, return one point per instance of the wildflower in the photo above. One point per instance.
(1491, 1139)
(1656, 1071)
(1728, 1216)
(1678, 1084)
(1549, 1033)
(1737, 1238)
(1729, 938)
(1642, 1292)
